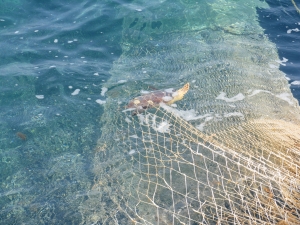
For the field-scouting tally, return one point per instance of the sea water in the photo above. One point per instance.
(56, 59)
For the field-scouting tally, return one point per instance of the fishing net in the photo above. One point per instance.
(228, 153)
(178, 175)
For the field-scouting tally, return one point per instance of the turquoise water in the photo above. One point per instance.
(57, 58)
(48, 50)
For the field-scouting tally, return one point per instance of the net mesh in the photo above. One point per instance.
(179, 175)
(228, 153)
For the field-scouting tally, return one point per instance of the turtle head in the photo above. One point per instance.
(178, 95)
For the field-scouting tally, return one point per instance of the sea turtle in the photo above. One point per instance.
(154, 98)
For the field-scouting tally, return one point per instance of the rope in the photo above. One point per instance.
(297, 9)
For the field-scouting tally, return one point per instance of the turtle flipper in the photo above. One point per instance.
(178, 95)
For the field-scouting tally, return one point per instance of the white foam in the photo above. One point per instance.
(150, 119)
(186, 115)
(128, 120)
(296, 82)
(36, 31)
(167, 98)
(238, 97)
(39, 96)
(208, 118)
(122, 81)
(201, 126)
(134, 136)
(144, 92)
(272, 66)
(282, 62)
(162, 127)
(103, 90)
(218, 116)
(76, 92)
(255, 92)
(239, 114)
(101, 102)
(284, 59)
(96, 74)
(169, 90)
(290, 30)
(55, 40)
(140, 117)
(131, 152)
(286, 97)
(70, 87)
(130, 109)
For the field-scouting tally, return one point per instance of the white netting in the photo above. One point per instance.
(178, 175)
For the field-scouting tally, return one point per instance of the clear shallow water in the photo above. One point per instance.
(48, 50)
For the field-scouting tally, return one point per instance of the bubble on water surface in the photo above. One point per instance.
(39, 96)
(76, 92)
(101, 102)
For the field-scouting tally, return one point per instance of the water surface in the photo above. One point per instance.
(58, 59)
